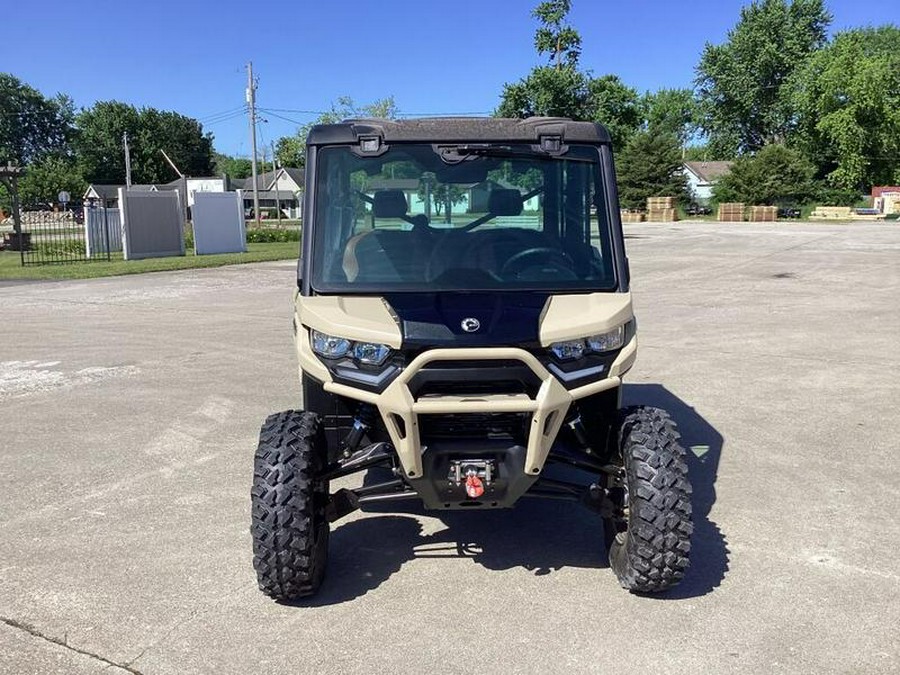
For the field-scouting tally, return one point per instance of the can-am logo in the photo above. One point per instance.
(470, 324)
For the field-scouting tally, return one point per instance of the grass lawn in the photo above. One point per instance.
(11, 266)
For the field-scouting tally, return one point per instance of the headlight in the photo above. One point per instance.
(607, 342)
(371, 353)
(333, 347)
(569, 350)
(329, 346)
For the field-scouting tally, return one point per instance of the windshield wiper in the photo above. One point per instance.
(459, 153)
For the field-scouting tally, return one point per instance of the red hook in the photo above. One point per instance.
(474, 487)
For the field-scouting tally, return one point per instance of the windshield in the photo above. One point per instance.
(422, 218)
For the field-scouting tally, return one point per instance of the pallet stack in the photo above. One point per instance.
(832, 213)
(763, 214)
(631, 216)
(661, 209)
(732, 212)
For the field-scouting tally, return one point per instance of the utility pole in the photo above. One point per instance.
(275, 173)
(251, 109)
(127, 161)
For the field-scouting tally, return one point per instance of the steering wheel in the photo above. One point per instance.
(532, 257)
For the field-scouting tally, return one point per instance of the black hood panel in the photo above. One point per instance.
(436, 319)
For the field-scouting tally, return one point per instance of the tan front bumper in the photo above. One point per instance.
(400, 410)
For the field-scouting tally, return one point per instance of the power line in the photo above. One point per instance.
(228, 118)
(468, 113)
(240, 109)
(269, 111)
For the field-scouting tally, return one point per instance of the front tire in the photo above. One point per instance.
(650, 539)
(289, 527)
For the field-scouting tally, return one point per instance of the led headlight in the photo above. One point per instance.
(329, 346)
(607, 342)
(371, 353)
(333, 347)
(568, 350)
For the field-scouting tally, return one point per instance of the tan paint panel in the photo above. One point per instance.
(570, 317)
(625, 359)
(364, 319)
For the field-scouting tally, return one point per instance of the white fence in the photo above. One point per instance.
(102, 230)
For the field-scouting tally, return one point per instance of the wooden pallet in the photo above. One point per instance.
(731, 212)
(664, 215)
(763, 214)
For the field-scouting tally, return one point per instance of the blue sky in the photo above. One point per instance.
(433, 57)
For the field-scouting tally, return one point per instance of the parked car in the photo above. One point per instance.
(695, 209)
(788, 212)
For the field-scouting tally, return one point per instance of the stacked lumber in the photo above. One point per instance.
(832, 213)
(631, 216)
(763, 214)
(731, 212)
(661, 209)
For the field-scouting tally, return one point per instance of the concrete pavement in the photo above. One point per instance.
(129, 409)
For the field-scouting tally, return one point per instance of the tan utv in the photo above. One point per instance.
(463, 319)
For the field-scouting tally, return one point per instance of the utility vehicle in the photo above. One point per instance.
(463, 320)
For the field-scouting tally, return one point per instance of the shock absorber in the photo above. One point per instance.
(576, 426)
(366, 414)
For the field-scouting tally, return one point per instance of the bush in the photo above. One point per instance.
(774, 176)
(74, 247)
(650, 166)
(255, 235)
(831, 196)
(267, 235)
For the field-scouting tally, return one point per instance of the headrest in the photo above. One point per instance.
(505, 202)
(389, 204)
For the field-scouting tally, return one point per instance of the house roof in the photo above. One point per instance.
(709, 172)
(297, 175)
(283, 195)
(102, 191)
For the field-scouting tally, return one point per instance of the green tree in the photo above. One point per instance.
(704, 152)
(32, 125)
(773, 176)
(848, 99)
(671, 111)
(553, 91)
(547, 91)
(650, 166)
(555, 37)
(233, 167)
(564, 90)
(47, 177)
(291, 150)
(616, 106)
(101, 153)
(742, 82)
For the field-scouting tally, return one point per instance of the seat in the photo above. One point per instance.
(385, 255)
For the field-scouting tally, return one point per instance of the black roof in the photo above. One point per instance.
(459, 129)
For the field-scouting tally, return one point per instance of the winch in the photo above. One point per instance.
(474, 474)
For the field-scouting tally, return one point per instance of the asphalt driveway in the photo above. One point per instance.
(129, 409)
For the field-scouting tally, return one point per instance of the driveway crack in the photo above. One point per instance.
(35, 632)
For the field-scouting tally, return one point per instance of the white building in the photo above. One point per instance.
(702, 176)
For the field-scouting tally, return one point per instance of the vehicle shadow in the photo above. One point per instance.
(539, 536)
(703, 445)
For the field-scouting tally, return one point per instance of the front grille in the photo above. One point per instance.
(479, 425)
(502, 376)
